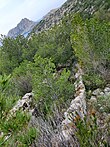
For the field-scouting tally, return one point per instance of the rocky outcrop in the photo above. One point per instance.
(23, 104)
(101, 99)
(77, 109)
(23, 28)
(86, 8)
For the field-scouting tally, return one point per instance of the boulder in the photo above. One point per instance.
(93, 99)
(22, 104)
(107, 90)
(96, 92)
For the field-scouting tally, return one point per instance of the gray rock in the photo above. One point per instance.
(70, 6)
(107, 90)
(107, 94)
(24, 104)
(101, 109)
(77, 109)
(96, 92)
(93, 99)
(101, 93)
(23, 28)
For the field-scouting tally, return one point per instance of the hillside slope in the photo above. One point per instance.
(85, 7)
(55, 86)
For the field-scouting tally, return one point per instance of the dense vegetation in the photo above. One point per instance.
(44, 64)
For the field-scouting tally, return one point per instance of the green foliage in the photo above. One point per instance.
(42, 77)
(46, 83)
(22, 78)
(11, 53)
(91, 44)
(4, 82)
(55, 43)
(48, 86)
(93, 80)
(6, 103)
(32, 64)
(7, 99)
(27, 137)
(89, 133)
(104, 103)
(15, 123)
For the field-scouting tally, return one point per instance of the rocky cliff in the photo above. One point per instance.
(23, 28)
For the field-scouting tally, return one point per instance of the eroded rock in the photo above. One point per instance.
(24, 104)
(77, 109)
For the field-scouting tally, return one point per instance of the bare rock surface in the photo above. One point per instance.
(77, 109)
(24, 104)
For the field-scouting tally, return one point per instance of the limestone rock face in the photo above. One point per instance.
(24, 104)
(77, 109)
(23, 28)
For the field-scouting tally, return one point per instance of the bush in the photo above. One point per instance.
(91, 44)
(90, 134)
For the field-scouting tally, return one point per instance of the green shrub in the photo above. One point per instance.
(90, 134)
(91, 44)
(27, 137)
(48, 86)
(104, 103)
(14, 124)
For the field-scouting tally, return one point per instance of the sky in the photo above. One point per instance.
(12, 11)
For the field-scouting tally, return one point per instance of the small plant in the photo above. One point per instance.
(103, 103)
(26, 138)
(14, 124)
(89, 133)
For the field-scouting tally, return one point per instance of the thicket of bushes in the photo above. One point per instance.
(44, 64)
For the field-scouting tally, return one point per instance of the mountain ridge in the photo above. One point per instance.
(52, 18)
(86, 8)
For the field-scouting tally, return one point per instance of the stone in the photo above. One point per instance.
(101, 93)
(28, 95)
(93, 99)
(107, 93)
(96, 92)
(101, 109)
(24, 104)
(77, 109)
(1, 134)
(23, 28)
(107, 90)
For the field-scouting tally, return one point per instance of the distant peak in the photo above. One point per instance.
(23, 27)
(25, 20)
